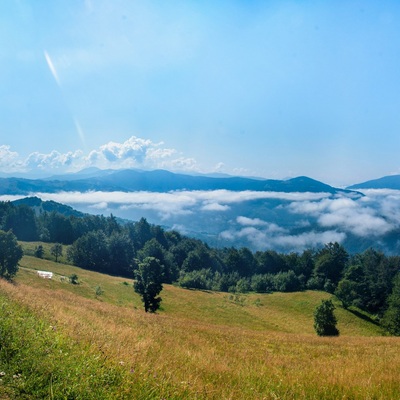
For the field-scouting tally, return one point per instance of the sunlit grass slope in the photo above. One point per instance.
(201, 345)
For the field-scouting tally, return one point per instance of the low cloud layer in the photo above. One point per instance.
(133, 153)
(301, 220)
(369, 216)
(175, 203)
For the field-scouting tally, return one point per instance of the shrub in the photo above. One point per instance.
(243, 285)
(39, 251)
(197, 279)
(73, 279)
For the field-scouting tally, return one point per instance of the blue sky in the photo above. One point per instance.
(262, 88)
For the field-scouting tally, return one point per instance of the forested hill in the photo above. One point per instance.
(158, 181)
(40, 206)
(102, 244)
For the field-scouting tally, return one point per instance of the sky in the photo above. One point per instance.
(273, 89)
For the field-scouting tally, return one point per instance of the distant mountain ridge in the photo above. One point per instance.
(316, 213)
(156, 181)
(386, 182)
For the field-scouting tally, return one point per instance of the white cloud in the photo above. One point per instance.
(181, 163)
(308, 239)
(100, 206)
(215, 207)
(133, 153)
(219, 167)
(165, 204)
(10, 197)
(361, 222)
(9, 160)
(250, 221)
(230, 197)
(53, 161)
(367, 216)
(280, 239)
(138, 153)
(174, 203)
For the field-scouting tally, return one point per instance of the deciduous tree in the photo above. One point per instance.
(391, 318)
(325, 320)
(10, 254)
(149, 283)
(56, 250)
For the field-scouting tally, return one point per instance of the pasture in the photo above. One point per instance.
(69, 341)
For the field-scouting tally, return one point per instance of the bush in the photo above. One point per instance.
(39, 251)
(226, 282)
(197, 279)
(73, 279)
(98, 291)
(243, 286)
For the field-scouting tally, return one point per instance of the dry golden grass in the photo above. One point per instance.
(215, 345)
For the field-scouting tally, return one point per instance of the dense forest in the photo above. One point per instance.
(366, 280)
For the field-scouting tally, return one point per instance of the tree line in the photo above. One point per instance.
(369, 280)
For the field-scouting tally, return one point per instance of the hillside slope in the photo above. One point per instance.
(202, 345)
(277, 312)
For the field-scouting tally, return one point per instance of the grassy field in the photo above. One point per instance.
(64, 341)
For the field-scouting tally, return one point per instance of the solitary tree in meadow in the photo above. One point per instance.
(10, 254)
(149, 283)
(325, 320)
(56, 251)
(39, 251)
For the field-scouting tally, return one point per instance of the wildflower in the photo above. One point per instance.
(2, 373)
(121, 363)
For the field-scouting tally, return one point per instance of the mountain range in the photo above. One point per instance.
(156, 181)
(284, 215)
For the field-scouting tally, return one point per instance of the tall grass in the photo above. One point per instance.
(202, 345)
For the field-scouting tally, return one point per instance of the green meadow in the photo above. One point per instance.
(93, 340)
